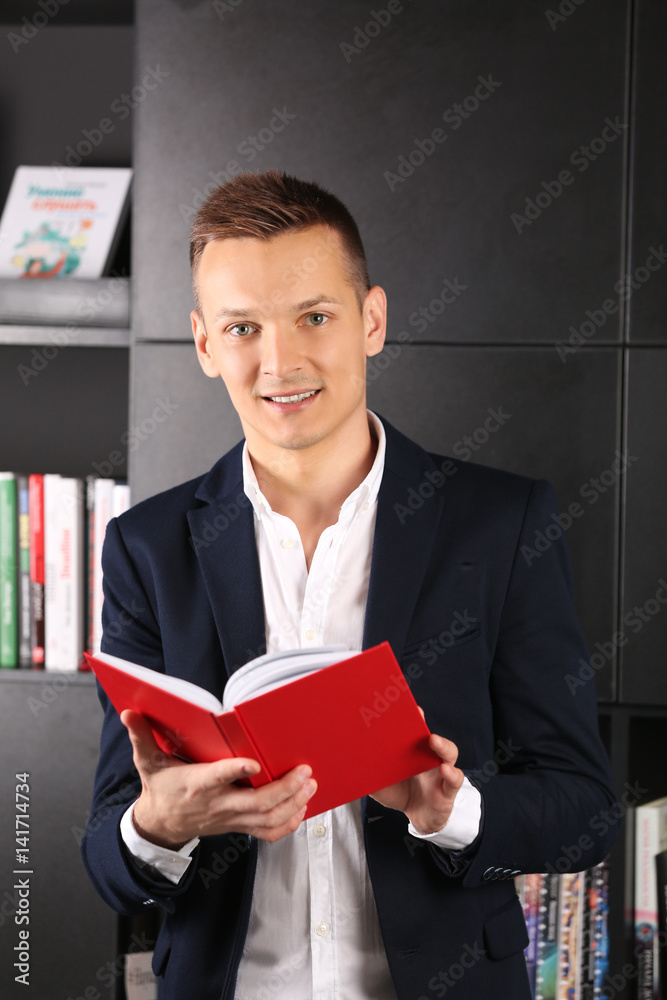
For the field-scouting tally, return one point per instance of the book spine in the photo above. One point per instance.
(661, 890)
(51, 602)
(90, 566)
(23, 593)
(569, 935)
(547, 954)
(103, 508)
(8, 575)
(529, 893)
(36, 502)
(70, 567)
(646, 902)
(587, 958)
(600, 927)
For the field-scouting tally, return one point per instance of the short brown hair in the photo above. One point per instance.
(268, 203)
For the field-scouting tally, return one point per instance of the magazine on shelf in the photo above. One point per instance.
(61, 222)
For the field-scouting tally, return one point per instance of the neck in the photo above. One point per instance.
(316, 479)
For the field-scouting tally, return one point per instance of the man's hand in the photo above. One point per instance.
(180, 801)
(428, 798)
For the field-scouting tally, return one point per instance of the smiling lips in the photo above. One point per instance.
(292, 399)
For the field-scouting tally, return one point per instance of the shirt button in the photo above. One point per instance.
(319, 830)
(310, 635)
(322, 930)
(287, 543)
(366, 506)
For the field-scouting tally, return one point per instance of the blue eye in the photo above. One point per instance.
(316, 319)
(241, 329)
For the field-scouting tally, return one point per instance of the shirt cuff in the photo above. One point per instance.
(171, 864)
(463, 824)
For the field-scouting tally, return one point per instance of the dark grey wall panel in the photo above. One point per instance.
(70, 404)
(182, 421)
(520, 409)
(58, 83)
(644, 673)
(359, 116)
(50, 728)
(648, 194)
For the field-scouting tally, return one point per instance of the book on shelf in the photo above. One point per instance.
(47, 551)
(303, 706)
(62, 221)
(8, 571)
(650, 841)
(567, 956)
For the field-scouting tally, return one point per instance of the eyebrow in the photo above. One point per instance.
(297, 307)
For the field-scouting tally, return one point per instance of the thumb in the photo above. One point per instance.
(147, 754)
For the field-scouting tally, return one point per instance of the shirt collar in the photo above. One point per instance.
(359, 499)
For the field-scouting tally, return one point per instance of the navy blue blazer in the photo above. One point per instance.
(485, 636)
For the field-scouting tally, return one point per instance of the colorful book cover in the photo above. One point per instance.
(8, 573)
(62, 222)
(23, 592)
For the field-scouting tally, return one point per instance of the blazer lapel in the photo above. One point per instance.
(405, 528)
(223, 534)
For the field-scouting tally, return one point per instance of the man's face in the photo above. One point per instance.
(282, 325)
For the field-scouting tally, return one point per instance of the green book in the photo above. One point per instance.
(8, 571)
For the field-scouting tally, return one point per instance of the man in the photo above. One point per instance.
(408, 893)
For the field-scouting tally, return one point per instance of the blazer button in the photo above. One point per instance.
(488, 874)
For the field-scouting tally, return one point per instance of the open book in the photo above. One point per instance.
(350, 715)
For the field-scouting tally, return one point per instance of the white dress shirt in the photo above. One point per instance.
(313, 932)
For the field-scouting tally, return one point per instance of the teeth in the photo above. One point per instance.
(293, 399)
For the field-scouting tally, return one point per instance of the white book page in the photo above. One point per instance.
(269, 672)
(166, 682)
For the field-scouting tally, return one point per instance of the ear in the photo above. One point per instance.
(374, 311)
(203, 346)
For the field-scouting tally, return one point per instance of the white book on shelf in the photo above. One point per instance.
(650, 834)
(70, 600)
(51, 503)
(103, 514)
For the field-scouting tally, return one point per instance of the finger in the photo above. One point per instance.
(146, 752)
(275, 804)
(445, 749)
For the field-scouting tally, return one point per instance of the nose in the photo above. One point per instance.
(280, 354)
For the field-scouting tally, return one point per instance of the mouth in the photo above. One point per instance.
(292, 403)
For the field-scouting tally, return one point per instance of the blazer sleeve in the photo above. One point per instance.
(130, 630)
(551, 806)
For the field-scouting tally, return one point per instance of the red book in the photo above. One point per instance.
(36, 511)
(350, 716)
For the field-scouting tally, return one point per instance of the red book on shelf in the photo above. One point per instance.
(350, 716)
